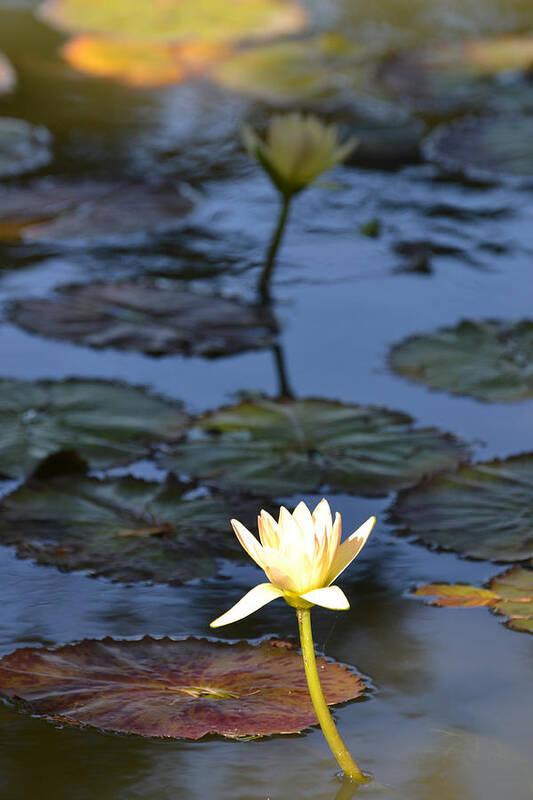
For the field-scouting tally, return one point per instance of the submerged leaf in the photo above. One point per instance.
(489, 360)
(148, 316)
(292, 446)
(23, 147)
(125, 528)
(457, 595)
(106, 423)
(482, 511)
(173, 689)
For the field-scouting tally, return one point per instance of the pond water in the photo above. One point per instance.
(449, 714)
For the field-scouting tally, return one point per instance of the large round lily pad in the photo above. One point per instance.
(292, 446)
(7, 76)
(90, 211)
(23, 147)
(510, 594)
(107, 423)
(483, 511)
(125, 529)
(172, 689)
(148, 316)
(487, 147)
(487, 359)
(177, 19)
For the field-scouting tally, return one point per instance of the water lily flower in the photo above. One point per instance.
(301, 555)
(296, 150)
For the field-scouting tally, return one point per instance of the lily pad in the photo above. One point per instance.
(482, 511)
(486, 148)
(23, 147)
(125, 529)
(489, 360)
(89, 211)
(280, 447)
(172, 20)
(8, 78)
(141, 63)
(148, 316)
(452, 78)
(510, 594)
(172, 689)
(107, 423)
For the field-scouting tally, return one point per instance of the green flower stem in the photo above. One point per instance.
(338, 748)
(266, 275)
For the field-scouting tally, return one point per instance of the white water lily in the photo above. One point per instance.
(301, 555)
(297, 149)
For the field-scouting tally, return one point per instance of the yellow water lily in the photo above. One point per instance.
(301, 555)
(297, 149)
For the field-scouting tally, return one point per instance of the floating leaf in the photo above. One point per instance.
(107, 423)
(23, 147)
(125, 529)
(8, 78)
(283, 447)
(141, 63)
(482, 511)
(173, 689)
(489, 360)
(173, 20)
(485, 147)
(89, 211)
(510, 594)
(154, 317)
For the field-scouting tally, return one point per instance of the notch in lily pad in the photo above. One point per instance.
(280, 447)
(482, 511)
(509, 594)
(172, 689)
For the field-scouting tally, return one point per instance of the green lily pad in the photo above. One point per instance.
(177, 19)
(148, 316)
(89, 211)
(482, 511)
(486, 359)
(23, 147)
(280, 447)
(510, 595)
(125, 529)
(8, 77)
(487, 148)
(172, 689)
(107, 423)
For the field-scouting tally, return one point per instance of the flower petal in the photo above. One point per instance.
(248, 541)
(350, 548)
(322, 517)
(328, 597)
(303, 517)
(256, 598)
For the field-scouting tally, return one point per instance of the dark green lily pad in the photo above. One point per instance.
(486, 148)
(509, 594)
(489, 360)
(483, 511)
(8, 78)
(125, 529)
(23, 147)
(280, 447)
(172, 689)
(90, 212)
(156, 317)
(107, 423)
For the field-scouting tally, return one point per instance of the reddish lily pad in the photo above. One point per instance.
(275, 447)
(148, 316)
(510, 595)
(108, 423)
(89, 211)
(484, 510)
(23, 147)
(125, 529)
(172, 689)
(8, 78)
